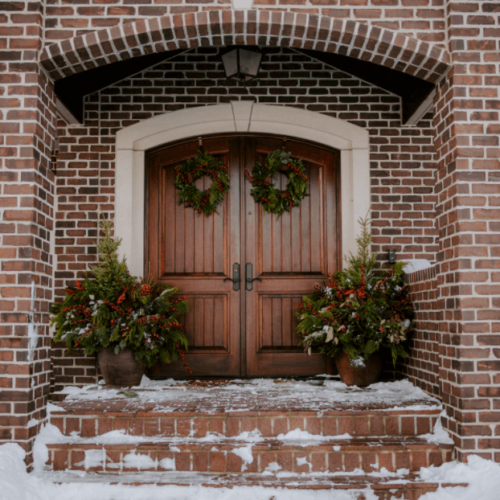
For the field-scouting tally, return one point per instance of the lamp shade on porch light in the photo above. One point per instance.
(241, 64)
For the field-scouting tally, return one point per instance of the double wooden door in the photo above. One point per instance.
(243, 328)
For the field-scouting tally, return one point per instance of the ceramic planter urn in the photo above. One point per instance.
(361, 377)
(121, 369)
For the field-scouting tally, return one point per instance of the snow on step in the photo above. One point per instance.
(318, 406)
(224, 456)
(314, 434)
(385, 486)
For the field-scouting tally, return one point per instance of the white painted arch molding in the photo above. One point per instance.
(133, 141)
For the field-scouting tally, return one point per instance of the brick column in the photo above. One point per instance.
(27, 134)
(468, 187)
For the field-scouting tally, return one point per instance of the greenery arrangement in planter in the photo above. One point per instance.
(357, 312)
(112, 312)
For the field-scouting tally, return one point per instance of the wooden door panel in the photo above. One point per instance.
(281, 332)
(195, 253)
(294, 243)
(207, 322)
(289, 254)
(195, 243)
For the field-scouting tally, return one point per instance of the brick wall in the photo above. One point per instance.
(412, 199)
(422, 366)
(27, 127)
(423, 19)
(401, 158)
(468, 184)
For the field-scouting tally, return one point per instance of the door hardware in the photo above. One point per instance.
(249, 277)
(236, 277)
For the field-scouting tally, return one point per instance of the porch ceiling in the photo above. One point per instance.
(412, 90)
(72, 89)
(144, 37)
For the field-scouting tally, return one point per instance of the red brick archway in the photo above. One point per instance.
(252, 27)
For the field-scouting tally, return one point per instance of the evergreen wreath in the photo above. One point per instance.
(187, 173)
(275, 200)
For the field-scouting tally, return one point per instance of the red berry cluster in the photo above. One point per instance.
(148, 320)
(90, 330)
(253, 180)
(219, 183)
(146, 289)
(313, 311)
(179, 299)
(117, 308)
(182, 355)
(297, 171)
(204, 199)
(180, 175)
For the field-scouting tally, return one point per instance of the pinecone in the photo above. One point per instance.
(286, 194)
(285, 167)
(189, 178)
(318, 288)
(267, 180)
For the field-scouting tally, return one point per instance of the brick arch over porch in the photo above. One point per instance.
(246, 27)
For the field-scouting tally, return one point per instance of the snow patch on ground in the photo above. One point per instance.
(482, 475)
(15, 483)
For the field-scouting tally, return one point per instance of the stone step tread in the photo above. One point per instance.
(129, 408)
(409, 481)
(387, 443)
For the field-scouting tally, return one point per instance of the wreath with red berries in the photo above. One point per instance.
(187, 173)
(275, 200)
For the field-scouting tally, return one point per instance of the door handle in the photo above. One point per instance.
(236, 277)
(249, 277)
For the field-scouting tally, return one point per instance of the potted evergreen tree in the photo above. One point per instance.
(358, 311)
(128, 322)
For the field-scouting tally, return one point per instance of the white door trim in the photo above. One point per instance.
(133, 141)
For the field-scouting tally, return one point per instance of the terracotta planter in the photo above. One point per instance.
(361, 377)
(120, 369)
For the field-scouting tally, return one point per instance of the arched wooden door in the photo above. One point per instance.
(249, 331)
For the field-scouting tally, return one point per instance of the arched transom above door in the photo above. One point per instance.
(236, 117)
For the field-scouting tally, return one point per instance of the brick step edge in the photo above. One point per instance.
(336, 456)
(383, 488)
(148, 424)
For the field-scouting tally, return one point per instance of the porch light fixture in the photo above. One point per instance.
(241, 64)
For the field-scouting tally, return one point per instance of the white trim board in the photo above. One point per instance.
(133, 141)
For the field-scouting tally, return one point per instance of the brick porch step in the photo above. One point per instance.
(406, 487)
(95, 421)
(368, 454)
